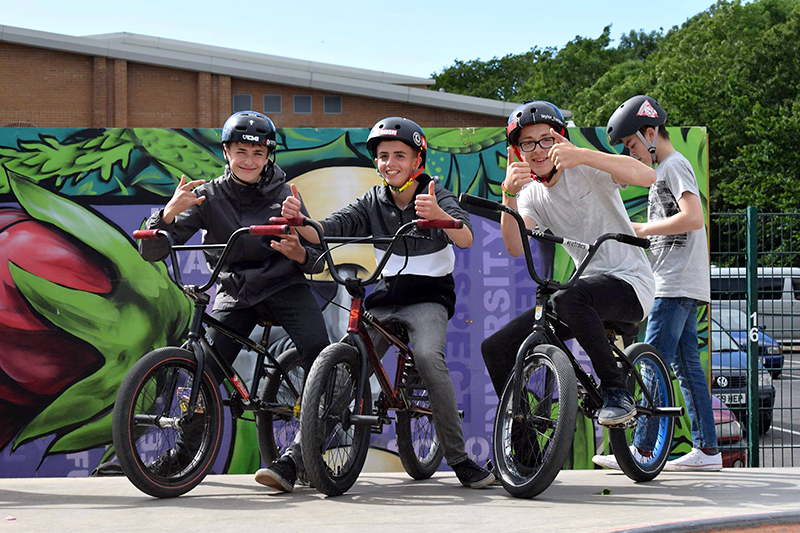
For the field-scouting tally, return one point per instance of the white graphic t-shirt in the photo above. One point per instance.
(680, 262)
(582, 205)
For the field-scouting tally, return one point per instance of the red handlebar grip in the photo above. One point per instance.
(439, 224)
(140, 234)
(297, 221)
(273, 229)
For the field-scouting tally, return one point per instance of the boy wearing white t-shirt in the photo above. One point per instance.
(679, 256)
(574, 192)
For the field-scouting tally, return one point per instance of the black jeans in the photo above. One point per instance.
(294, 308)
(583, 307)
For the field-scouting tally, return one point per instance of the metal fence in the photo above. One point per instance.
(754, 336)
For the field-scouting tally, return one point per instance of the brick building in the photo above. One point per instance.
(128, 80)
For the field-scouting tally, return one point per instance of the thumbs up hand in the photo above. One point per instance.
(427, 207)
(518, 173)
(564, 154)
(291, 205)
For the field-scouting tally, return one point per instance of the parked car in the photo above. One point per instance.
(778, 293)
(729, 378)
(734, 321)
(729, 435)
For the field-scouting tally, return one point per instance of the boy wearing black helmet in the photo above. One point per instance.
(575, 195)
(263, 278)
(679, 256)
(417, 288)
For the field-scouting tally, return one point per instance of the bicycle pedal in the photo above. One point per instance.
(377, 429)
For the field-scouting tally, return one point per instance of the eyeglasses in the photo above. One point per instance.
(530, 146)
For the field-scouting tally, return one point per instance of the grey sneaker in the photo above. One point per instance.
(495, 472)
(618, 408)
(280, 475)
(471, 475)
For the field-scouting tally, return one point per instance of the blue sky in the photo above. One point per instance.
(414, 38)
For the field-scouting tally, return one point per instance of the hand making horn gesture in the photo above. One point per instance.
(182, 199)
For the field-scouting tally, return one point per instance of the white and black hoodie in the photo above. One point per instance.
(427, 274)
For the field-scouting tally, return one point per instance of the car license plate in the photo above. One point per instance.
(736, 398)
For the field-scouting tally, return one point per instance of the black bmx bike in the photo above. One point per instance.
(167, 422)
(536, 416)
(337, 416)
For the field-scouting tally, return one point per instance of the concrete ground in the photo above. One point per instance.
(734, 499)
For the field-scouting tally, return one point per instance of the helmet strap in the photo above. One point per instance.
(414, 175)
(650, 147)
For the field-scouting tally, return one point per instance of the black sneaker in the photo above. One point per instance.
(280, 475)
(618, 407)
(167, 464)
(174, 460)
(471, 475)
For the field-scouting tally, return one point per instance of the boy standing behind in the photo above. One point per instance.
(679, 256)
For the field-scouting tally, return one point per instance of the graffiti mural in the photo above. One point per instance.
(78, 305)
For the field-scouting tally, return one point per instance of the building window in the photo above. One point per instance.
(332, 105)
(302, 104)
(273, 104)
(242, 102)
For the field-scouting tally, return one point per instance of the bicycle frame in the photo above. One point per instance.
(196, 341)
(357, 334)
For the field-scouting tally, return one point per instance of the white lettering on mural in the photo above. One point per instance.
(81, 460)
(195, 261)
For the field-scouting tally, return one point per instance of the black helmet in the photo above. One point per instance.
(534, 112)
(398, 129)
(249, 127)
(632, 115)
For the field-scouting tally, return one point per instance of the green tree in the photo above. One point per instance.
(497, 78)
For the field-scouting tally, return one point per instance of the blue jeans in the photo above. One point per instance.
(672, 330)
(426, 324)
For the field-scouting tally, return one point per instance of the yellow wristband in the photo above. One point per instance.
(506, 192)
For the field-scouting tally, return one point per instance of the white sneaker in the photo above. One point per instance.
(610, 461)
(695, 461)
(606, 461)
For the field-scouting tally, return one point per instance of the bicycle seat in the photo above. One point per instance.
(627, 330)
(265, 317)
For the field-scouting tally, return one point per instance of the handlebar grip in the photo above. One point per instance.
(296, 221)
(272, 229)
(141, 234)
(439, 224)
(635, 241)
(477, 201)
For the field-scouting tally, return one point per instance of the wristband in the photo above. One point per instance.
(506, 191)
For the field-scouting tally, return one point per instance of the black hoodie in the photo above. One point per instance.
(254, 271)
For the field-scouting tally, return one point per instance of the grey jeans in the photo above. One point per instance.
(426, 324)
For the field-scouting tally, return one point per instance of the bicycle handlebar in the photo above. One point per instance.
(272, 229)
(491, 205)
(392, 241)
(141, 234)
